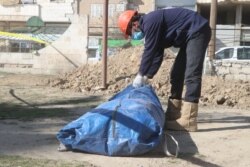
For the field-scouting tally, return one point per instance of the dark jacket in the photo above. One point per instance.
(164, 28)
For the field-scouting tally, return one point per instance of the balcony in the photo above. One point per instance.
(49, 12)
(18, 12)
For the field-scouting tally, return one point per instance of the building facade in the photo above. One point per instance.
(25, 23)
(233, 23)
(75, 27)
(71, 29)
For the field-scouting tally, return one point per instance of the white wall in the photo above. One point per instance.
(225, 36)
(48, 11)
(238, 69)
(18, 12)
(190, 4)
(56, 12)
(67, 53)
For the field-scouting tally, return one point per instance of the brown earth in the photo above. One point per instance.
(223, 119)
(221, 141)
(123, 67)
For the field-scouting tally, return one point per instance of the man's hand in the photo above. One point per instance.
(140, 81)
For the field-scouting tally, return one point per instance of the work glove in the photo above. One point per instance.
(140, 81)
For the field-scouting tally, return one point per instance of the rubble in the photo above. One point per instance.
(123, 66)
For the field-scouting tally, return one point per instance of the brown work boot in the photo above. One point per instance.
(173, 110)
(188, 119)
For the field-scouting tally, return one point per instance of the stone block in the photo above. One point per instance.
(240, 77)
(245, 70)
(236, 65)
(227, 63)
(234, 70)
(222, 70)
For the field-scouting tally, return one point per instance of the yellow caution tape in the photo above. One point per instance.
(22, 36)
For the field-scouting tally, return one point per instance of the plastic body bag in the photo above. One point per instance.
(130, 123)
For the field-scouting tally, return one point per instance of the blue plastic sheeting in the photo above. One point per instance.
(130, 123)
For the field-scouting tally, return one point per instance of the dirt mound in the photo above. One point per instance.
(123, 66)
(234, 93)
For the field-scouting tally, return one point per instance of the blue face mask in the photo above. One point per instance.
(137, 35)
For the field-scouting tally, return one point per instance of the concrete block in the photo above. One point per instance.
(236, 65)
(247, 77)
(245, 70)
(227, 63)
(27, 56)
(234, 70)
(65, 54)
(222, 70)
(218, 63)
(229, 77)
(240, 77)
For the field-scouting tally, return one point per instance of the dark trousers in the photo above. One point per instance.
(188, 67)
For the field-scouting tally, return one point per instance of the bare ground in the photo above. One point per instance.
(222, 139)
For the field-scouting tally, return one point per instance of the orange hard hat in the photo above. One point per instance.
(124, 19)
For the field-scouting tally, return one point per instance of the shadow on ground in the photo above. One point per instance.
(26, 110)
(238, 121)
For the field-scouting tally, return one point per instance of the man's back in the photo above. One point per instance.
(175, 24)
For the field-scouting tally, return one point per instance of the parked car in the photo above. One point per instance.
(233, 53)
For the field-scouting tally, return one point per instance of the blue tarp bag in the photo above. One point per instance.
(130, 123)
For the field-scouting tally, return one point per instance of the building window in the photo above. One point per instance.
(97, 10)
(225, 54)
(111, 11)
(243, 53)
(24, 46)
(58, 1)
(245, 15)
(225, 13)
(27, 2)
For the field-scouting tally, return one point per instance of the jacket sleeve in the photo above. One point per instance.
(153, 49)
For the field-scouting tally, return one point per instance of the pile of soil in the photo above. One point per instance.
(123, 67)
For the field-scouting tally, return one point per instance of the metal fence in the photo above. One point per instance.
(19, 46)
(23, 39)
(224, 37)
